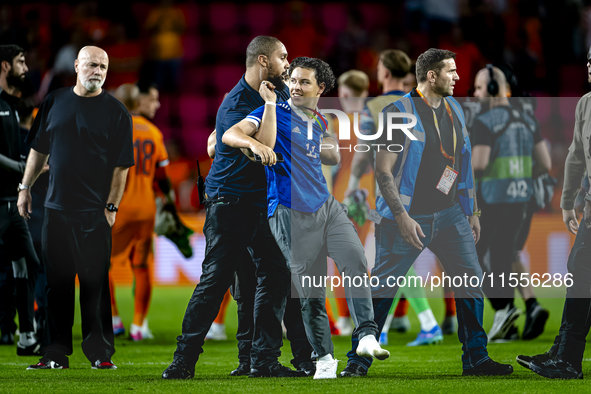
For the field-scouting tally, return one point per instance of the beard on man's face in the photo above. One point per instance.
(278, 79)
(15, 80)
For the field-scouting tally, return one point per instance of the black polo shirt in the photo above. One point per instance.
(86, 138)
(232, 173)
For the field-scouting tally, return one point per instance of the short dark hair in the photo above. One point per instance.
(9, 52)
(145, 86)
(260, 45)
(396, 61)
(322, 70)
(432, 59)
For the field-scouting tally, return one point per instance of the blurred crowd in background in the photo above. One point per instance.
(195, 52)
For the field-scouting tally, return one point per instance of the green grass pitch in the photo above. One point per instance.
(428, 369)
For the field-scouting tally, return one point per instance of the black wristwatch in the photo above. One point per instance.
(111, 208)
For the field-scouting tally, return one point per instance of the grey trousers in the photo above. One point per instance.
(306, 239)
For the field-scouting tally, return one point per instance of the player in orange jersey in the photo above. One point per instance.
(133, 231)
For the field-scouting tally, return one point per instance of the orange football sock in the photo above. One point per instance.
(221, 317)
(114, 310)
(450, 304)
(342, 307)
(331, 318)
(142, 295)
(401, 308)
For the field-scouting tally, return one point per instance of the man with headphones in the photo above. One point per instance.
(504, 140)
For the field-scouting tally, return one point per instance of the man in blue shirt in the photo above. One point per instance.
(307, 222)
(235, 221)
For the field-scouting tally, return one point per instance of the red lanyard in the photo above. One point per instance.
(448, 108)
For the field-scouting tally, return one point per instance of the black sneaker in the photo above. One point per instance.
(7, 339)
(353, 370)
(103, 364)
(525, 361)
(489, 368)
(308, 368)
(178, 369)
(243, 369)
(275, 370)
(46, 363)
(556, 368)
(535, 321)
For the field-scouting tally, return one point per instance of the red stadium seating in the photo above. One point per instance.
(334, 17)
(225, 77)
(260, 18)
(223, 17)
(192, 12)
(191, 47)
(193, 109)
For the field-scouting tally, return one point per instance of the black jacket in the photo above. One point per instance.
(10, 146)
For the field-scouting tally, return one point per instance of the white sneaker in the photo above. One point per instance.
(217, 332)
(345, 326)
(135, 332)
(326, 369)
(146, 332)
(504, 319)
(369, 347)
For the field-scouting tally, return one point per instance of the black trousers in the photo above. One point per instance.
(230, 228)
(569, 344)
(20, 256)
(77, 243)
(243, 292)
(7, 295)
(35, 224)
(501, 225)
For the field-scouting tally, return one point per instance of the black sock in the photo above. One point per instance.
(530, 303)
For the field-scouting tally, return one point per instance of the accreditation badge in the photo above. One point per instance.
(447, 180)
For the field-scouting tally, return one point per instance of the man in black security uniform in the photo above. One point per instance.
(244, 288)
(19, 253)
(236, 220)
(26, 107)
(87, 135)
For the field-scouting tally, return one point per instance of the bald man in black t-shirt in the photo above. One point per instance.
(87, 136)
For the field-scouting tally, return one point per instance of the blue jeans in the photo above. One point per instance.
(449, 236)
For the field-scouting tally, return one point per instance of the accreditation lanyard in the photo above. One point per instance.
(448, 108)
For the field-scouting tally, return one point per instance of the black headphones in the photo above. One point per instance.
(493, 86)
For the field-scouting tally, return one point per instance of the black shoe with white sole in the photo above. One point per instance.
(353, 370)
(489, 368)
(556, 368)
(525, 361)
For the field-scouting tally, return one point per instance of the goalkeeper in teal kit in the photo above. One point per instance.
(307, 222)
